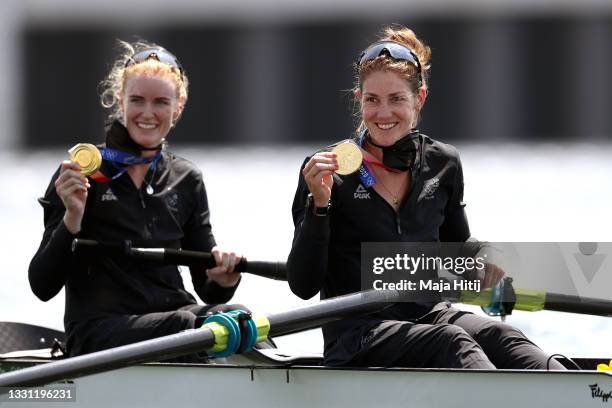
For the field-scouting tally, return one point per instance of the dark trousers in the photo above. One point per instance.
(451, 338)
(126, 329)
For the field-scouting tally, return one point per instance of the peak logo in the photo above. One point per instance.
(109, 196)
(361, 193)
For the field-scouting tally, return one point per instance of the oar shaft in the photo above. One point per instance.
(271, 270)
(191, 341)
(575, 304)
(150, 350)
(530, 300)
(310, 316)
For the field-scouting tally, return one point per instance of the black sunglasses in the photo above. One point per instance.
(392, 49)
(158, 54)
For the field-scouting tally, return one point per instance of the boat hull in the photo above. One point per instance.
(168, 385)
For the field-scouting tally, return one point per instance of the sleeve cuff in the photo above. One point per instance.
(62, 238)
(317, 227)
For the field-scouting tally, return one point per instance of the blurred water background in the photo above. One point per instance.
(521, 87)
(514, 192)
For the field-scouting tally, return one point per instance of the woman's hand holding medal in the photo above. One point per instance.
(318, 174)
(71, 186)
(345, 158)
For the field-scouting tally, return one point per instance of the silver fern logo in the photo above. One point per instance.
(172, 200)
(429, 188)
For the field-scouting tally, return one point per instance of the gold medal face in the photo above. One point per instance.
(349, 158)
(87, 156)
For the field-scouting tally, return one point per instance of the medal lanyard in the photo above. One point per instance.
(371, 160)
(121, 161)
(365, 171)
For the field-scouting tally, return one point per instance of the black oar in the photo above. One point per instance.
(505, 298)
(87, 247)
(534, 300)
(519, 299)
(576, 304)
(301, 318)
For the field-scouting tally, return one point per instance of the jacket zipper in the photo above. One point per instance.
(144, 206)
(147, 226)
(398, 223)
(411, 185)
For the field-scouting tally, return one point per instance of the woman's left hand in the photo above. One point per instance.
(491, 275)
(224, 273)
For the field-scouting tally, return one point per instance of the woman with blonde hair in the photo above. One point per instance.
(143, 193)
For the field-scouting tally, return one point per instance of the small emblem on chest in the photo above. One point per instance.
(172, 200)
(361, 193)
(429, 188)
(109, 196)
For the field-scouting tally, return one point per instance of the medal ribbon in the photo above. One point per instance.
(122, 160)
(365, 171)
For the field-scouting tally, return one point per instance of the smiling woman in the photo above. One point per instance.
(142, 193)
(150, 107)
(147, 93)
(409, 188)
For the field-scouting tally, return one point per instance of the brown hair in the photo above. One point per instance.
(405, 69)
(408, 38)
(113, 86)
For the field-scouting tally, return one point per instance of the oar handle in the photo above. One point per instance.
(89, 247)
(271, 270)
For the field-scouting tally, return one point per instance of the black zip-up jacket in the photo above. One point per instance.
(326, 251)
(176, 215)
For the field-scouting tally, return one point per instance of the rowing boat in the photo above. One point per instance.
(129, 376)
(272, 377)
(253, 382)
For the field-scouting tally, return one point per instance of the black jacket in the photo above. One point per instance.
(176, 215)
(326, 251)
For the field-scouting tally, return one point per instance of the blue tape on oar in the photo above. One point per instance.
(233, 342)
(249, 337)
(252, 335)
(242, 331)
(497, 298)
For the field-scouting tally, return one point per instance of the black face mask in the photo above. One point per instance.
(401, 155)
(117, 137)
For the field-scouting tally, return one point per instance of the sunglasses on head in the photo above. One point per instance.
(392, 49)
(158, 54)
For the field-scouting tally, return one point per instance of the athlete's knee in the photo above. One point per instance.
(228, 308)
(461, 350)
(502, 331)
(238, 306)
(182, 320)
(453, 333)
(455, 338)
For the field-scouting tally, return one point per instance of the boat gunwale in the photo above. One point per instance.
(32, 362)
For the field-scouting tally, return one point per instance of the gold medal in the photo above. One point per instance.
(349, 158)
(87, 156)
